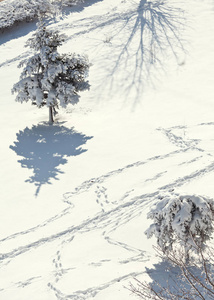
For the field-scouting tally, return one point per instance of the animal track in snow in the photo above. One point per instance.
(101, 196)
(58, 266)
(178, 140)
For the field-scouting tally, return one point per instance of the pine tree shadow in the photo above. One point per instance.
(44, 148)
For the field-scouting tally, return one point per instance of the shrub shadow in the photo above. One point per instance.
(17, 30)
(44, 148)
(170, 282)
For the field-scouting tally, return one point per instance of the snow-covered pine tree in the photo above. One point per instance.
(50, 78)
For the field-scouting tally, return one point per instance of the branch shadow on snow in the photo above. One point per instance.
(151, 34)
(165, 276)
(167, 280)
(155, 33)
(44, 148)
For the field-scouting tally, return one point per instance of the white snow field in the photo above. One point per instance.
(75, 195)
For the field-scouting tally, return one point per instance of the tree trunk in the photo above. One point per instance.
(51, 120)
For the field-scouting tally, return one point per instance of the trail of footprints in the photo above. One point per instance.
(126, 213)
(102, 197)
(58, 266)
(121, 216)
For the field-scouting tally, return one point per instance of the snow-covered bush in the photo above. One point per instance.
(12, 11)
(185, 220)
(50, 78)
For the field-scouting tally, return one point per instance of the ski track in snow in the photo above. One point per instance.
(112, 215)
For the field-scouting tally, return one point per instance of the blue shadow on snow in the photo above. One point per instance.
(172, 282)
(44, 148)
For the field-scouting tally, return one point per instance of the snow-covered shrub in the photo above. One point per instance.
(181, 219)
(50, 78)
(12, 11)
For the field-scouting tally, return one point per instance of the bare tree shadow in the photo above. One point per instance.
(143, 36)
(155, 34)
(44, 148)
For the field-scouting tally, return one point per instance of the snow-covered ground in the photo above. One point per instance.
(75, 195)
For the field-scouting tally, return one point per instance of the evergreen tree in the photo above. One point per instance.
(50, 78)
